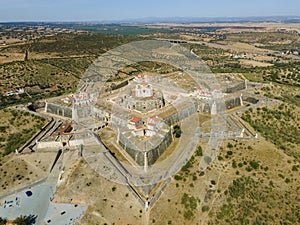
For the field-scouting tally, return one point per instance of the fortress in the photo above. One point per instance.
(144, 138)
(145, 115)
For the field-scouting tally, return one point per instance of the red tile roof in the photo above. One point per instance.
(154, 118)
(135, 119)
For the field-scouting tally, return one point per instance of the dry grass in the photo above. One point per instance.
(16, 125)
(21, 170)
(106, 204)
(254, 63)
(223, 174)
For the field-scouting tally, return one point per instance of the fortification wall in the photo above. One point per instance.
(58, 144)
(148, 105)
(152, 154)
(49, 144)
(233, 102)
(250, 99)
(179, 115)
(59, 110)
(240, 86)
(115, 86)
(237, 101)
(83, 111)
(156, 152)
(203, 107)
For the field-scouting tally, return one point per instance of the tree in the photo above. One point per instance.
(199, 151)
(177, 131)
(25, 220)
(205, 208)
(254, 164)
(229, 145)
(22, 220)
(2, 221)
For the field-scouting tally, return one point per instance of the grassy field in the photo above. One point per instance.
(242, 187)
(117, 29)
(54, 66)
(269, 40)
(16, 128)
(279, 124)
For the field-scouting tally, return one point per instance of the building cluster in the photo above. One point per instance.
(206, 94)
(141, 133)
(288, 31)
(290, 52)
(146, 128)
(142, 79)
(141, 96)
(18, 92)
(144, 140)
(240, 56)
(143, 91)
(82, 97)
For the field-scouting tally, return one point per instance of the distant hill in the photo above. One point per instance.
(277, 19)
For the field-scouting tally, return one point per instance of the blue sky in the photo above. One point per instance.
(101, 10)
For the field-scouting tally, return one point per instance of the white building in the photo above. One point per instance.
(143, 90)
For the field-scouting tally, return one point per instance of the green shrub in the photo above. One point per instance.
(229, 145)
(295, 168)
(205, 208)
(177, 177)
(188, 214)
(199, 151)
(177, 131)
(22, 220)
(3, 129)
(254, 164)
(234, 165)
(3, 221)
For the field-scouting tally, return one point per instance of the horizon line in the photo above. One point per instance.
(164, 19)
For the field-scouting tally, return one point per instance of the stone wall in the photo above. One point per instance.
(184, 112)
(250, 99)
(115, 86)
(152, 154)
(59, 110)
(58, 144)
(203, 107)
(237, 101)
(148, 105)
(186, 109)
(157, 151)
(233, 102)
(238, 87)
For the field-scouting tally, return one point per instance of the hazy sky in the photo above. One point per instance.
(100, 10)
